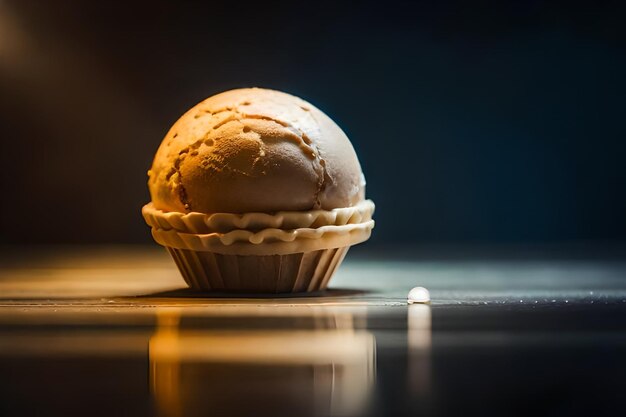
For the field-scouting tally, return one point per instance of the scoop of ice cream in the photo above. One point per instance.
(255, 150)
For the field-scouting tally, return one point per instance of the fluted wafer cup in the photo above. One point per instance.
(260, 259)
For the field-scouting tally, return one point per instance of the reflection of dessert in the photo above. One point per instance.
(257, 190)
(321, 372)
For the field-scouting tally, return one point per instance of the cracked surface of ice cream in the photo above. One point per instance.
(255, 150)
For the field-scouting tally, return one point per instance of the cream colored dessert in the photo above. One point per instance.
(257, 182)
(255, 150)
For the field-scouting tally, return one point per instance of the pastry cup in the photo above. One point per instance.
(290, 273)
(260, 259)
(201, 223)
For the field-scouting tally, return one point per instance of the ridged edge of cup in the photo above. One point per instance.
(267, 274)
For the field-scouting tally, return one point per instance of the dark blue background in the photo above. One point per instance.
(474, 122)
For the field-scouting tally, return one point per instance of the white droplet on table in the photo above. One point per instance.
(418, 295)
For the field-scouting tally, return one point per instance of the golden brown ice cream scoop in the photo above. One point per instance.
(255, 150)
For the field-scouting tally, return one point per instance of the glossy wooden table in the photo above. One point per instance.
(112, 331)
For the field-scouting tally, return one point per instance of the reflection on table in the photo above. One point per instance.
(325, 370)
